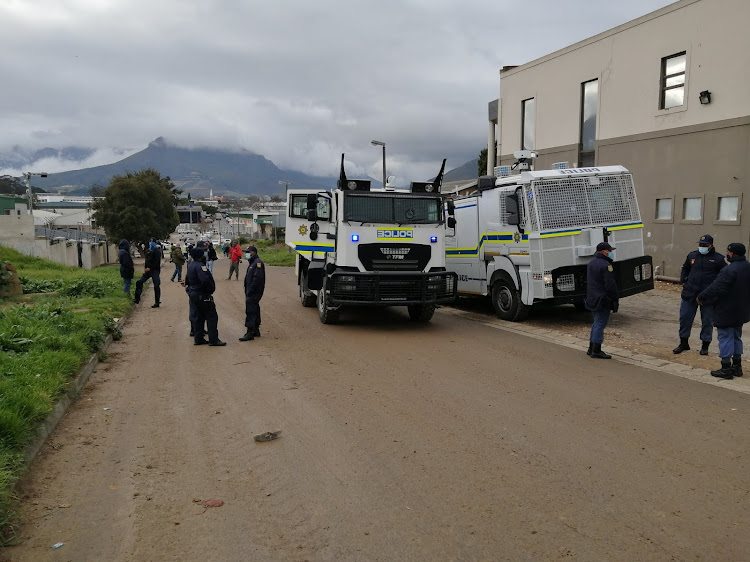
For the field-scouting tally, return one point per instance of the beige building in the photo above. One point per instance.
(667, 96)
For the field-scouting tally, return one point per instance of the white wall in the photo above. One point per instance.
(627, 62)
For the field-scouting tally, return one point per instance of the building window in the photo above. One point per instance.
(728, 208)
(673, 80)
(663, 209)
(527, 124)
(589, 108)
(692, 208)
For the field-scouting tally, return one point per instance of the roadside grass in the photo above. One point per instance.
(271, 254)
(46, 335)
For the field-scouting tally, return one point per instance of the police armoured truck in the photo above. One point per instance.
(527, 238)
(358, 246)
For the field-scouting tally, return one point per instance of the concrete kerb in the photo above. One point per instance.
(45, 429)
(623, 355)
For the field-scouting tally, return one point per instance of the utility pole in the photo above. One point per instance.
(29, 194)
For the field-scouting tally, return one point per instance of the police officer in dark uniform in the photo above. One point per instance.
(200, 286)
(601, 297)
(730, 292)
(699, 270)
(255, 283)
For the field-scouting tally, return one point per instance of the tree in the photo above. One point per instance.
(137, 206)
(97, 191)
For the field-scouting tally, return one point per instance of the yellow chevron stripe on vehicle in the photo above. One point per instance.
(307, 248)
(489, 237)
(626, 226)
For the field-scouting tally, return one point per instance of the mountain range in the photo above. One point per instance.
(195, 171)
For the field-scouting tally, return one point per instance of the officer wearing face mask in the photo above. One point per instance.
(699, 270)
(602, 297)
(255, 284)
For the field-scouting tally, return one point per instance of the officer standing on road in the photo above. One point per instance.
(200, 287)
(255, 283)
(152, 271)
(699, 270)
(601, 297)
(730, 294)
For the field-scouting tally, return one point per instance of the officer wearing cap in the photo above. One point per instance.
(200, 286)
(699, 270)
(255, 284)
(601, 297)
(730, 295)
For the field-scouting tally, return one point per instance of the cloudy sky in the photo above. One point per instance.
(297, 81)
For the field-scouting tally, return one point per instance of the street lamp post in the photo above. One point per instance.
(29, 194)
(381, 143)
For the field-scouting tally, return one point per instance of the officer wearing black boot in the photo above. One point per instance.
(601, 297)
(152, 270)
(699, 270)
(200, 287)
(255, 284)
(730, 295)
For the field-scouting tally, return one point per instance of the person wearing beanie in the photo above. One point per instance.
(153, 272)
(200, 287)
(127, 268)
(730, 295)
(699, 270)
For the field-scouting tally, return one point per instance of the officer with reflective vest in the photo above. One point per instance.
(255, 284)
(601, 297)
(200, 287)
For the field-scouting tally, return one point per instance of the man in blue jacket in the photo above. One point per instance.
(699, 270)
(601, 297)
(730, 295)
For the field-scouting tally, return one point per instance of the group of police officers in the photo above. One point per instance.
(719, 286)
(200, 286)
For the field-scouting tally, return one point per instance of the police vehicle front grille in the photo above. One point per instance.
(390, 265)
(393, 288)
(394, 256)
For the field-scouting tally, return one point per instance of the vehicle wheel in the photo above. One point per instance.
(421, 312)
(507, 301)
(306, 297)
(326, 315)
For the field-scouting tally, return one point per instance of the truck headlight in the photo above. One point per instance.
(347, 283)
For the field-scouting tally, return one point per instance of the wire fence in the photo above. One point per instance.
(69, 234)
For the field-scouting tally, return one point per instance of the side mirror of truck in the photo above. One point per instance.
(312, 200)
(511, 207)
(451, 207)
(451, 222)
(311, 215)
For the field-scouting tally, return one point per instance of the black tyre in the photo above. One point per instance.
(326, 315)
(506, 300)
(421, 312)
(306, 297)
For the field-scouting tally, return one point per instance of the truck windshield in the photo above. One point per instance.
(392, 208)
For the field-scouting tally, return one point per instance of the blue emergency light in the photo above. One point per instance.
(355, 237)
(433, 239)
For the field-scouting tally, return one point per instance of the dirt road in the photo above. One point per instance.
(447, 441)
